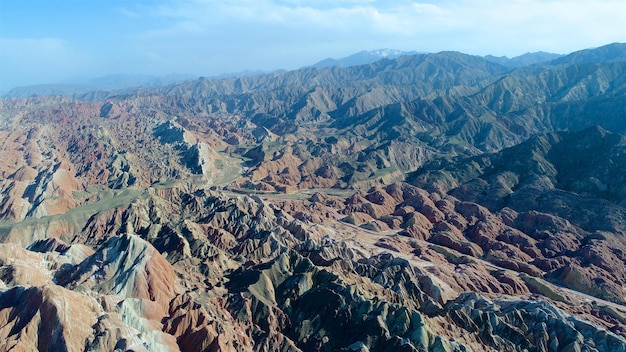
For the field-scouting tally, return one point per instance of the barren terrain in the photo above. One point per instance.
(436, 202)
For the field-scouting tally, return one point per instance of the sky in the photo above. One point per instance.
(56, 41)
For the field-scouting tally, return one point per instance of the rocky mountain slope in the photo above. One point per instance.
(436, 202)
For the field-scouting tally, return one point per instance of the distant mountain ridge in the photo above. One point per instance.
(112, 82)
(370, 56)
(115, 82)
(364, 57)
(524, 60)
(615, 52)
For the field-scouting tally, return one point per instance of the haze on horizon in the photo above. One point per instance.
(46, 41)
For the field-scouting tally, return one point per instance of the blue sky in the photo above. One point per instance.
(50, 41)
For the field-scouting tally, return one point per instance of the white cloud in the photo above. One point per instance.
(529, 25)
(129, 13)
(501, 24)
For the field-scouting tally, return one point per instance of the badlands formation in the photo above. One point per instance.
(434, 202)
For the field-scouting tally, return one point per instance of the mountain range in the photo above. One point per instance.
(422, 201)
(118, 82)
(114, 82)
